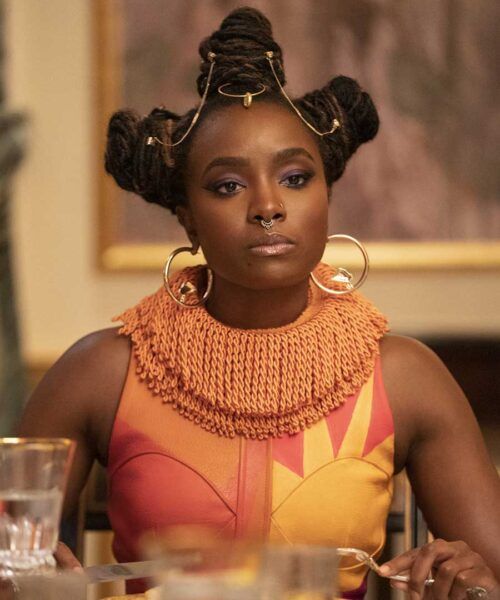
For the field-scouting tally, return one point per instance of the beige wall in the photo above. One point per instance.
(61, 293)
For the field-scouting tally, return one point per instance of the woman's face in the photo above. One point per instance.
(251, 165)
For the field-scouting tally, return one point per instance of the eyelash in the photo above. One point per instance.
(216, 189)
(305, 176)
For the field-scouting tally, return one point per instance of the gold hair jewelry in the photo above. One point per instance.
(152, 140)
(335, 122)
(167, 149)
(247, 96)
(267, 224)
(186, 288)
(342, 275)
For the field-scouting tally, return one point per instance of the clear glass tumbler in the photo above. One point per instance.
(215, 587)
(33, 478)
(302, 572)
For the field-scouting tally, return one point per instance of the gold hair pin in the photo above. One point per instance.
(152, 140)
(247, 96)
(335, 122)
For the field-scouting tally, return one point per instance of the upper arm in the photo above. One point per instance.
(77, 399)
(452, 476)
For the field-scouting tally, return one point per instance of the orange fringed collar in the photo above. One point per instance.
(258, 383)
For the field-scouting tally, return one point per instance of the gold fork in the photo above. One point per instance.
(363, 557)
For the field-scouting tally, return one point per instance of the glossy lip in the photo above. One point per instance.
(271, 244)
(270, 239)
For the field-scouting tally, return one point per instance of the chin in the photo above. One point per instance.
(273, 274)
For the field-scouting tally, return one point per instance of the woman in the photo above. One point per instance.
(253, 396)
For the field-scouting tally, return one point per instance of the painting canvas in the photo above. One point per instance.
(425, 192)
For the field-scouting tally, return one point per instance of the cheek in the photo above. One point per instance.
(311, 216)
(218, 232)
(318, 232)
(314, 228)
(218, 243)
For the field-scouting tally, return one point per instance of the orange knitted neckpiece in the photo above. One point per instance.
(257, 383)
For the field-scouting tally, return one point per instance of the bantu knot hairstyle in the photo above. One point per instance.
(139, 155)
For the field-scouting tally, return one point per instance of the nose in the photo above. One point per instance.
(266, 207)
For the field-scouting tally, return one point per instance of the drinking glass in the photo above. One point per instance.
(303, 572)
(33, 477)
(200, 564)
(184, 586)
(60, 585)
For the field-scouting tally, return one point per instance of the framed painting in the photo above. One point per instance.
(424, 194)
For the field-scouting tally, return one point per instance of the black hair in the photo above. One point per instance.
(156, 171)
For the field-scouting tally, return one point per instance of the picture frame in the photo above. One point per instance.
(119, 251)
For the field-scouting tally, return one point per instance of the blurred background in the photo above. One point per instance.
(61, 75)
(53, 75)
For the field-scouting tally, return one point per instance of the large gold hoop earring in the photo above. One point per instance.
(342, 275)
(186, 287)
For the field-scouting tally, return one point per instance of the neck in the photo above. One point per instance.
(256, 309)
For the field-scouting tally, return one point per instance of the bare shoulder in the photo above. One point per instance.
(79, 394)
(421, 391)
(95, 364)
(91, 349)
(412, 370)
(438, 441)
(77, 399)
(401, 352)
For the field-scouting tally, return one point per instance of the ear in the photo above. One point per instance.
(185, 218)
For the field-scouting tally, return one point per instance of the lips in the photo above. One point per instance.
(273, 244)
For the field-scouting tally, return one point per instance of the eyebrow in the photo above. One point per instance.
(240, 161)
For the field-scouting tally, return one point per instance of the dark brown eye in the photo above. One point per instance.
(296, 180)
(230, 187)
(226, 188)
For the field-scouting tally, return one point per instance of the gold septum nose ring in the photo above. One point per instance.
(267, 224)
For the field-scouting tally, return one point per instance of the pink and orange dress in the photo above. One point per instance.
(280, 434)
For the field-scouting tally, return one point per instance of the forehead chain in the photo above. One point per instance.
(211, 56)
